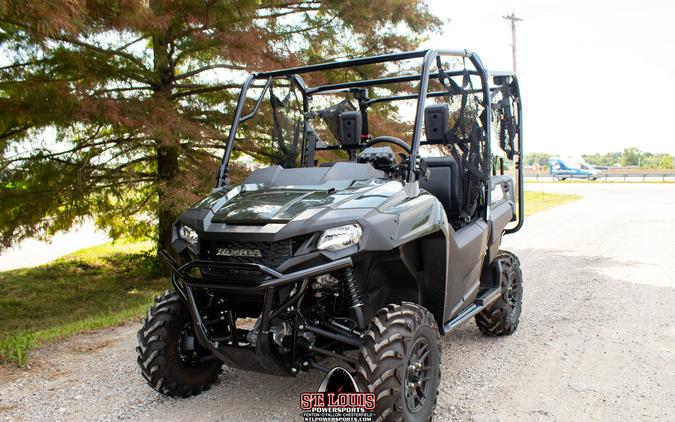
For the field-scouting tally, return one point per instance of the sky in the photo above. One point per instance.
(595, 75)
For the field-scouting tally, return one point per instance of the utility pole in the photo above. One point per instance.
(513, 18)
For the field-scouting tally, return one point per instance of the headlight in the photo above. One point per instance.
(339, 237)
(188, 234)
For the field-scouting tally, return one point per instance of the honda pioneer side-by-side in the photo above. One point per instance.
(376, 228)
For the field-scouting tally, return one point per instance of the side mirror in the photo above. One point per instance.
(501, 80)
(436, 118)
(350, 127)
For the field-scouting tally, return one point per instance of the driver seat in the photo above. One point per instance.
(444, 183)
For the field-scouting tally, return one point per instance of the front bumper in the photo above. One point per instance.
(259, 358)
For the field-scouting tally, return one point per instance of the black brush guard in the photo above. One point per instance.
(259, 358)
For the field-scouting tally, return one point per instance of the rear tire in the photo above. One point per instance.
(169, 356)
(400, 362)
(501, 318)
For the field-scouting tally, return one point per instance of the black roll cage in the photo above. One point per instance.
(430, 58)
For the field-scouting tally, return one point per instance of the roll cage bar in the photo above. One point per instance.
(430, 59)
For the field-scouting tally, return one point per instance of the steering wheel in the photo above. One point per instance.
(388, 139)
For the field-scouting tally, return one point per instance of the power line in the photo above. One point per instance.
(513, 18)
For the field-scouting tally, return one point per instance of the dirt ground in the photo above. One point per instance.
(596, 340)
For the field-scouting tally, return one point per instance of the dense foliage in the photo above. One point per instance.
(537, 158)
(118, 109)
(630, 157)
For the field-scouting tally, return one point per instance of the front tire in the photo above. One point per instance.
(170, 358)
(501, 318)
(399, 361)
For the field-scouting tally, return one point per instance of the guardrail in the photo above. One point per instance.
(606, 176)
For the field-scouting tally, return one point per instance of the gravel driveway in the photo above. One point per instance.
(596, 341)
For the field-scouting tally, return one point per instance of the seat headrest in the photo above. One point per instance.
(436, 117)
(350, 127)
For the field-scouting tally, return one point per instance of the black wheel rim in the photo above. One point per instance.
(512, 291)
(418, 375)
(190, 353)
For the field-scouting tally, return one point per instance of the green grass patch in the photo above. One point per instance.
(540, 201)
(92, 288)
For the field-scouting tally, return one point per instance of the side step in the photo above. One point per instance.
(481, 302)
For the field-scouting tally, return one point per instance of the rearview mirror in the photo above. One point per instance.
(350, 127)
(436, 117)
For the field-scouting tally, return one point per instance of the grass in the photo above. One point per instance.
(540, 201)
(92, 288)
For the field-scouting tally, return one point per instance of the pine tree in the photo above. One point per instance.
(119, 110)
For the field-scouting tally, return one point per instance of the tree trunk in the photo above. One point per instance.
(167, 170)
(167, 149)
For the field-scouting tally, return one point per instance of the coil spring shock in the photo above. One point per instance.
(351, 287)
(352, 291)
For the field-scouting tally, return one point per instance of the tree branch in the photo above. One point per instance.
(23, 64)
(292, 11)
(13, 132)
(129, 44)
(209, 67)
(101, 50)
(203, 90)
(131, 88)
(308, 29)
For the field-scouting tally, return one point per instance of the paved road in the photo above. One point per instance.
(611, 178)
(596, 342)
(32, 252)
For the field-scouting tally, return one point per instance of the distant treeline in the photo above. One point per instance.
(632, 157)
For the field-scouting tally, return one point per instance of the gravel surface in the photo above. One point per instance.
(596, 340)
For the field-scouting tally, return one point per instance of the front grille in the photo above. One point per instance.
(269, 254)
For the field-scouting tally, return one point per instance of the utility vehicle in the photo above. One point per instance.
(376, 229)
